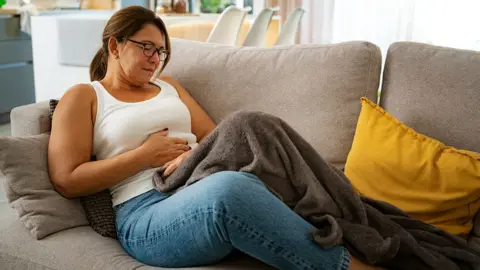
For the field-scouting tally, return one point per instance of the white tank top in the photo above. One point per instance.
(122, 126)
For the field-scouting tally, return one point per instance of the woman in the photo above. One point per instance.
(134, 127)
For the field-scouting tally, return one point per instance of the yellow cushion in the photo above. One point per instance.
(432, 182)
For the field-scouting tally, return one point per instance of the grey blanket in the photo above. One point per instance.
(374, 231)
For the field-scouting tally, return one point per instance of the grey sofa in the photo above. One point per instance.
(316, 88)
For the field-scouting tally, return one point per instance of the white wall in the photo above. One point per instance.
(80, 40)
(51, 78)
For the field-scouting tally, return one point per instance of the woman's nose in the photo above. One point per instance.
(155, 58)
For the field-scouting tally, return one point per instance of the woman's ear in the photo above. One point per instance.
(113, 47)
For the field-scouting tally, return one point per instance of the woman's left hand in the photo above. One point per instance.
(173, 164)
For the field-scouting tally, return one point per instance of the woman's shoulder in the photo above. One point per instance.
(79, 93)
(175, 84)
(81, 90)
(166, 78)
(170, 80)
(172, 86)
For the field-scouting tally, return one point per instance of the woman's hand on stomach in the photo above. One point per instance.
(160, 149)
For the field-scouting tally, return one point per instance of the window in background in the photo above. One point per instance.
(437, 22)
(248, 3)
(218, 6)
(214, 6)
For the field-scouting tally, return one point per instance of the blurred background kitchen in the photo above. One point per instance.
(46, 45)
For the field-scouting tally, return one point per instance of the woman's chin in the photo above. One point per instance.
(146, 76)
(142, 79)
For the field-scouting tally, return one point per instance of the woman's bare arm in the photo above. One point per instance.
(70, 148)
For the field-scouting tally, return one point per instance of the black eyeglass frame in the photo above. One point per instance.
(159, 51)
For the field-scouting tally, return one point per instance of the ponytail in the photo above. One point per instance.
(98, 67)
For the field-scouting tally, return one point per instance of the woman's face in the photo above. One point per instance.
(134, 54)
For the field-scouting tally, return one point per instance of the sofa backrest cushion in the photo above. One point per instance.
(434, 90)
(314, 88)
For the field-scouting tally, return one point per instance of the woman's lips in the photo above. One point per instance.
(149, 70)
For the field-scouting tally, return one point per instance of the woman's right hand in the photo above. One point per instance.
(160, 149)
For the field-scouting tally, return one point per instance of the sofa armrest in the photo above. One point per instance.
(31, 119)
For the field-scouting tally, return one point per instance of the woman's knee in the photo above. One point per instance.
(231, 180)
(232, 187)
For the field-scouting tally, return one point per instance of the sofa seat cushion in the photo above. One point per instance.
(77, 249)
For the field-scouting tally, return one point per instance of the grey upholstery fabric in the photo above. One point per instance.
(315, 88)
(434, 90)
(30, 119)
(23, 163)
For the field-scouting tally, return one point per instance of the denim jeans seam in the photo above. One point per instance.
(159, 233)
(297, 261)
(346, 260)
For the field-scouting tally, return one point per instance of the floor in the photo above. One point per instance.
(4, 131)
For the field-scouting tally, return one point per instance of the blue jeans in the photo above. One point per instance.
(206, 221)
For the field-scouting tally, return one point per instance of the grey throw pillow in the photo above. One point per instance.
(23, 165)
(98, 207)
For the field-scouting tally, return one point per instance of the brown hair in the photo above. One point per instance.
(122, 25)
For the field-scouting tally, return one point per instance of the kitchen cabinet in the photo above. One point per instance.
(16, 67)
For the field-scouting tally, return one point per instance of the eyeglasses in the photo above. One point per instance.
(149, 49)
